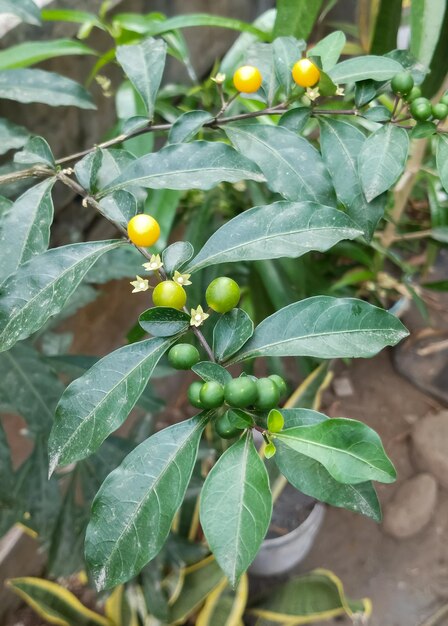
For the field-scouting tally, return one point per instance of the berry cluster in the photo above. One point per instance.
(248, 79)
(420, 108)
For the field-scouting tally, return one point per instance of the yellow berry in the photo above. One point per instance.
(247, 79)
(169, 293)
(143, 230)
(305, 73)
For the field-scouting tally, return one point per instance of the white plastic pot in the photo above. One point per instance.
(281, 554)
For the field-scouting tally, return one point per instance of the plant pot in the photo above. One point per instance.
(281, 554)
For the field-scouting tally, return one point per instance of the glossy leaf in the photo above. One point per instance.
(329, 49)
(25, 85)
(212, 371)
(326, 328)
(12, 136)
(26, 10)
(87, 170)
(378, 114)
(382, 159)
(426, 24)
(364, 67)
(442, 160)
(231, 332)
(296, 17)
(29, 387)
(188, 125)
(25, 227)
(36, 151)
(41, 287)
(282, 229)
(291, 165)
(144, 63)
(236, 507)
(163, 321)
(176, 255)
(295, 119)
(94, 405)
(286, 51)
(311, 478)
(119, 207)
(55, 604)
(195, 165)
(32, 52)
(365, 91)
(341, 144)
(141, 496)
(350, 451)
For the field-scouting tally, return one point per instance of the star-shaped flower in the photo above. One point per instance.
(219, 78)
(182, 279)
(313, 93)
(198, 316)
(340, 91)
(153, 264)
(141, 284)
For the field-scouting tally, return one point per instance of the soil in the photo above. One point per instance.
(407, 580)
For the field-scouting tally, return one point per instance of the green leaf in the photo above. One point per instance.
(361, 68)
(25, 227)
(163, 204)
(94, 405)
(442, 160)
(12, 136)
(24, 85)
(426, 24)
(281, 155)
(341, 144)
(176, 255)
(119, 207)
(163, 321)
(67, 15)
(437, 70)
(295, 119)
(32, 52)
(329, 49)
(423, 129)
(195, 165)
(365, 91)
(311, 478)
(326, 328)
(29, 387)
(144, 63)
(378, 114)
(296, 17)
(349, 450)
(261, 55)
(36, 151)
(134, 508)
(87, 170)
(387, 23)
(6, 472)
(282, 229)
(212, 371)
(231, 332)
(41, 287)
(25, 10)
(382, 159)
(286, 51)
(236, 507)
(188, 125)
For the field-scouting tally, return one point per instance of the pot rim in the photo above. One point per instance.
(314, 517)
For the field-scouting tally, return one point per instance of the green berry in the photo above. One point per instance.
(421, 109)
(223, 294)
(275, 421)
(439, 111)
(194, 391)
(211, 395)
(415, 93)
(444, 99)
(402, 83)
(279, 381)
(241, 392)
(183, 356)
(225, 428)
(268, 394)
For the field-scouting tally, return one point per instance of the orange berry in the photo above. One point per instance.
(247, 79)
(305, 73)
(143, 230)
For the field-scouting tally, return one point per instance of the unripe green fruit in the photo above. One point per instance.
(169, 293)
(282, 387)
(211, 395)
(225, 428)
(402, 83)
(240, 392)
(439, 111)
(421, 109)
(268, 394)
(223, 294)
(183, 356)
(444, 99)
(415, 93)
(194, 391)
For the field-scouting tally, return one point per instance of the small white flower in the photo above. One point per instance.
(140, 284)
(182, 279)
(340, 91)
(153, 264)
(219, 78)
(313, 93)
(198, 316)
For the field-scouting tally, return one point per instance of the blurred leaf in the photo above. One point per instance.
(437, 70)
(426, 25)
(26, 10)
(68, 15)
(32, 52)
(225, 606)
(378, 114)
(12, 136)
(386, 27)
(296, 17)
(442, 160)
(36, 151)
(329, 49)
